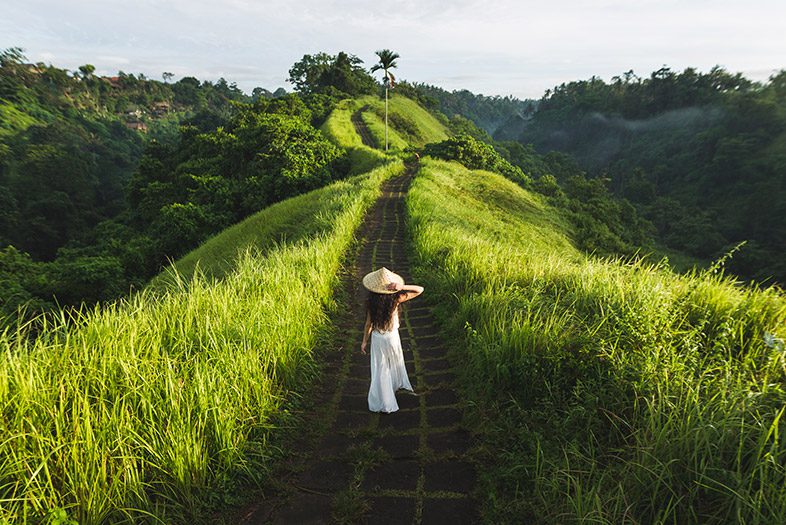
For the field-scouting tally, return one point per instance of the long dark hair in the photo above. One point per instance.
(380, 307)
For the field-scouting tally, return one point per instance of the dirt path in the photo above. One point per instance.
(405, 467)
(362, 129)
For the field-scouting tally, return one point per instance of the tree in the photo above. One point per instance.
(304, 75)
(348, 76)
(323, 73)
(260, 92)
(12, 56)
(387, 61)
(167, 76)
(87, 71)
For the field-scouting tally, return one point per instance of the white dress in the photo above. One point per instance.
(388, 371)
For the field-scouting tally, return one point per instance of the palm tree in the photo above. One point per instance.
(387, 61)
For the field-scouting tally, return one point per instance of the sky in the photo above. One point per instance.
(518, 48)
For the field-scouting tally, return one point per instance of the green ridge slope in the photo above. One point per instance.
(160, 405)
(295, 219)
(339, 129)
(410, 123)
(312, 213)
(608, 391)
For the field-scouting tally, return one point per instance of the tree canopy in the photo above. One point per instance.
(324, 73)
(701, 155)
(387, 61)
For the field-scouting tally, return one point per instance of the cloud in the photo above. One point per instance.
(500, 47)
(113, 60)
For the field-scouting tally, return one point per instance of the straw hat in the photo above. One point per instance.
(379, 280)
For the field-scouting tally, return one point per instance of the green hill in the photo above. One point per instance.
(409, 124)
(608, 390)
(338, 128)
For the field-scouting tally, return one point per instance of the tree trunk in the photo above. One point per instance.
(386, 118)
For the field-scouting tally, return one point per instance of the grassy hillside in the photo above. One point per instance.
(157, 406)
(609, 392)
(376, 126)
(409, 125)
(409, 122)
(338, 128)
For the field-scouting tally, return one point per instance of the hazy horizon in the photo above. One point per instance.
(505, 48)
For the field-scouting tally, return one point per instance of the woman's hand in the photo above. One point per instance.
(363, 348)
(412, 291)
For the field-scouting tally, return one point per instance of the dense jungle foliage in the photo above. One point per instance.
(701, 155)
(488, 112)
(103, 180)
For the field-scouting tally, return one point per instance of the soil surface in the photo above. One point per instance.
(362, 129)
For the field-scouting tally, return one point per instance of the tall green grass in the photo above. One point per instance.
(613, 391)
(155, 408)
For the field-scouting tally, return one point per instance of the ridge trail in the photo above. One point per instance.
(407, 467)
(362, 130)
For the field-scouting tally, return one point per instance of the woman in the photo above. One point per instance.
(388, 371)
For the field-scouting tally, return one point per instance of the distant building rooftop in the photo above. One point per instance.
(138, 125)
(113, 81)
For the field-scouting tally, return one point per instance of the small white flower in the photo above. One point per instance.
(773, 342)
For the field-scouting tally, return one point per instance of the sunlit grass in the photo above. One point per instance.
(12, 120)
(612, 391)
(428, 128)
(424, 128)
(339, 128)
(376, 126)
(155, 408)
(281, 223)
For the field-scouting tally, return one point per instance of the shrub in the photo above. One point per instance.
(475, 154)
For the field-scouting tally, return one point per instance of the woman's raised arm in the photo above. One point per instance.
(413, 290)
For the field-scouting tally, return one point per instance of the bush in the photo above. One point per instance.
(547, 185)
(477, 155)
